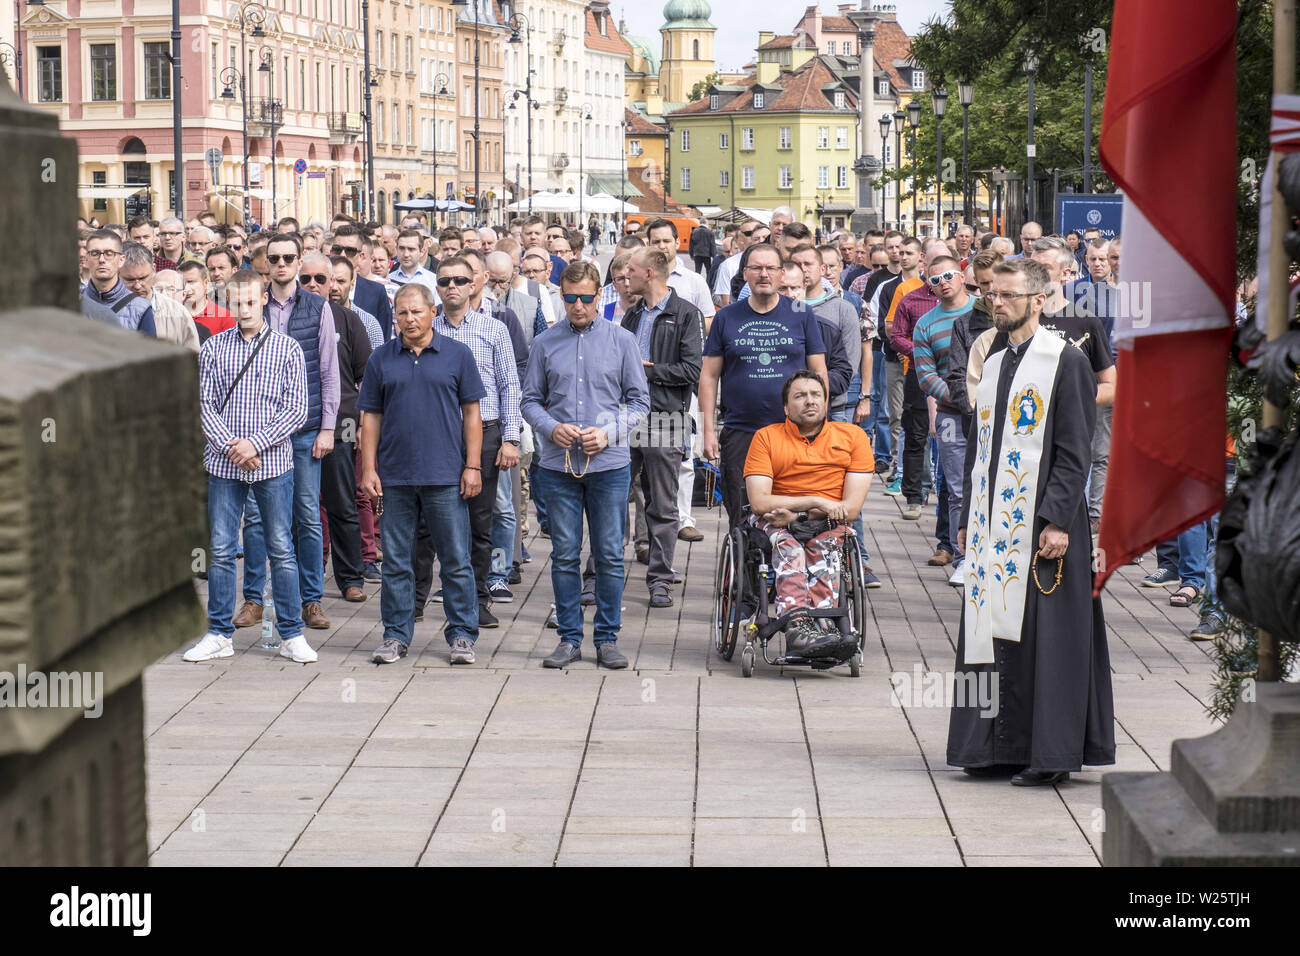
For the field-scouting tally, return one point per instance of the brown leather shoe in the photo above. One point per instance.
(940, 558)
(690, 534)
(249, 615)
(355, 595)
(313, 616)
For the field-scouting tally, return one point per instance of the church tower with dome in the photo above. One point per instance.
(687, 48)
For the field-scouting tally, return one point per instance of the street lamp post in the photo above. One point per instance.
(1087, 124)
(267, 56)
(584, 116)
(516, 23)
(229, 76)
(899, 117)
(914, 120)
(939, 101)
(255, 14)
(369, 82)
(966, 96)
(440, 86)
(477, 153)
(10, 53)
(885, 121)
(1031, 66)
(178, 139)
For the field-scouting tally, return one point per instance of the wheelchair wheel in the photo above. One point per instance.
(855, 665)
(747, 661)
(854, 592)
(729, 595)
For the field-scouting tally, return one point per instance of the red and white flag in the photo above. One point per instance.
(1168, 140)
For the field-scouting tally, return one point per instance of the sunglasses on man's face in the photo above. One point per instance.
(586, 298)
(344, 250)
(942, 277)
(288, 258)
(235, 246)
(444, 281)
(313, 278)
(972, 289)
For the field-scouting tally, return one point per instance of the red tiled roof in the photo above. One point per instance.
(788, 41)
(892, 44)
(800, 90)
(638, 125)
(612, 43)
(838, 25)
(652, 198)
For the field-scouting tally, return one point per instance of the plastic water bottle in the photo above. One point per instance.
(270, 632)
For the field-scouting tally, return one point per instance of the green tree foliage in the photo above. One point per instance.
(702, 86)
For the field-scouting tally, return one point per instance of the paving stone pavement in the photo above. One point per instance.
(677, 760)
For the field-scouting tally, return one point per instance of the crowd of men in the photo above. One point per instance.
(388, 398)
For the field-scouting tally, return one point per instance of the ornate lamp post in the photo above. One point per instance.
(477, 152)
(11, 54)
(885, 121)
(966, 96)
(914, 120)
(899, 117)
(584, 113)
(229, 76)
(440, 87)
(267, 56)
(938, 100)
(253, 14)
(1031, 66)
(518, 23)
(368, 83)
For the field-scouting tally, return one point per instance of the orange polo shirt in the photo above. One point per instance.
(799, 467)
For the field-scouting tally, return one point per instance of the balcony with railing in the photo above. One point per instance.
(265, 116)
(561, 96)
(345, 128)
(560, 161)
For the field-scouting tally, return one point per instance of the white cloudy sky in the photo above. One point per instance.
(735, 45)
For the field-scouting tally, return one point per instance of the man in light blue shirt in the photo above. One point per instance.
(585, 392)
(410, 256)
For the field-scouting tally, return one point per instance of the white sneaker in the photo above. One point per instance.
(298, 650)
(210, 647)
(958, 577)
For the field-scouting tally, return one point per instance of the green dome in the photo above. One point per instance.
(679, 10)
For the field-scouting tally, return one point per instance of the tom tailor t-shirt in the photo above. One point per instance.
(759, 352)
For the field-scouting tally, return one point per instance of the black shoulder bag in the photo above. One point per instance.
(266, 334)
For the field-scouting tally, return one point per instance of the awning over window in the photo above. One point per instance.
(835, 207)
(108, 192)
(606, 183)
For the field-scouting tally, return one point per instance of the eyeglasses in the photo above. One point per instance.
(972, 289)
(172, 235)
(288, 258)
(444, 281)
(313, 278)
(947, 276)
(345, 250)
(747, 232)
(994, 296)
(102, 253)
(586, 298)
(761, 269)
(623, 278)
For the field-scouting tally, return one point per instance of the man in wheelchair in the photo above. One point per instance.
(806, 480)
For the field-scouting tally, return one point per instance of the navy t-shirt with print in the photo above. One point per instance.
(759, 352)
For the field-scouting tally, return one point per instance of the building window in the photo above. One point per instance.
(216, 69)
(746, 177)
(839, 99)
(841, 137)
(758, 100)
(157, 72)
(49, 71)
(410, 126)
(724, 179)
(713, 101)
(634, 147)
(747, 137)
(103, 71)
(379, 122)
(100, 179)
(396, 131)
(410, 59)
(783, 138)
(841, 177)
(695, 49)
(686, 178)
(882, 87)
(724, 141)
(686, 141)
(918, 79)
(888, 154)
(379, 49)
(823, 177)
(823, 137)
(786, 179)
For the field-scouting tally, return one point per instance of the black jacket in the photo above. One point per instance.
(702, 242)
(676, 351)
(370, 295)
(354, 353)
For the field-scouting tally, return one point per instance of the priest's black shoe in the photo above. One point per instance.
(1039, 778)
(993, 770)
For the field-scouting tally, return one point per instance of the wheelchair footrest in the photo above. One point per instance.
(765, 631)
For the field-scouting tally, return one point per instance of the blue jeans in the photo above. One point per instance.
(1210, 579)
(226, 500)
(535, 491)
(308, 542)
(944, 530)
(602, 495)
(446, 514)
(878, 422)
(952, 459)
(1192, 554)
(503, 528)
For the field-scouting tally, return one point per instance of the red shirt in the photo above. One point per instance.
(215, 319)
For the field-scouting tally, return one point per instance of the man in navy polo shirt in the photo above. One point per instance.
(420, 426)
(753, 346)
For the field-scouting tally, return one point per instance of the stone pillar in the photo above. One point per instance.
(1230, 799)
(865, 166)
(101, 506)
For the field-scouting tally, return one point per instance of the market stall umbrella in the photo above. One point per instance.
(604, 204)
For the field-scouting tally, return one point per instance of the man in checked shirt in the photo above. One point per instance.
(253, 398)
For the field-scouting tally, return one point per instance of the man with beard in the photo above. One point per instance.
(1031, 633)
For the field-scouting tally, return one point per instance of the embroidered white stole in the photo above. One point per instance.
(1000, 541)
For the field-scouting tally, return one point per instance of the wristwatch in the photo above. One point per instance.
(802, 516)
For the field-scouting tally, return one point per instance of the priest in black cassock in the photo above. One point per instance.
(1032, 638)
